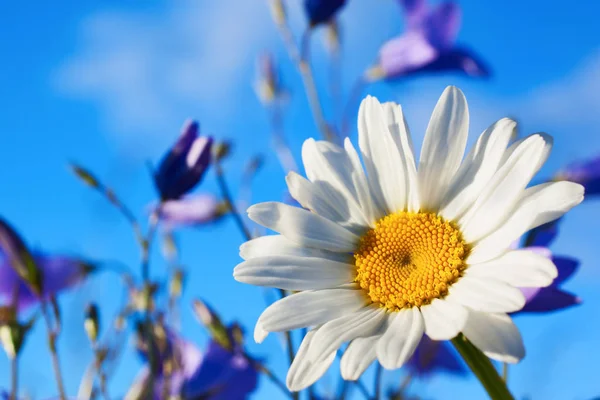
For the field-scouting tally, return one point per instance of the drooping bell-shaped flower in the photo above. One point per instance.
(60, 272)
(185, 164)
(191, 210)
(218, 374)
(321, 11)
(586, 173)
(427, 45)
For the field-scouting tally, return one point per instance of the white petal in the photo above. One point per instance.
(443, 319)
(495, 335)
(319, 198)
(403, 334)
(521, 268)
(294, 273)
(538, 205)
(361, 353)
(333, 334)
(259, 333)
(278, 245)
(368, 204)
(329, 164)
(382, 158)
(311, 308)
(307, 367)
(486, 295)
(443, 147)
(477, 168)
(399, 130)
(303, 227)
(503, 191)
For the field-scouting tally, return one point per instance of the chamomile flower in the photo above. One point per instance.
(378, 257)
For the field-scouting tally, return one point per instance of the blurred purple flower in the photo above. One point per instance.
(218, 374)
(59, 273)
(552, 298)
(184, 165)
(428, 45)
(190, 210)
(321, 11)
(432, 356)
(586, 173)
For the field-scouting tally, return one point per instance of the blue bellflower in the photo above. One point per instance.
(59, 273)
(586, 173)
(185, 164)
(321, 11)
(218, 374)
(427, 45)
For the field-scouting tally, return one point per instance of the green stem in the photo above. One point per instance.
(483, 369)
(14, 367)
(228, 199)
(53, 352)
(377, 384)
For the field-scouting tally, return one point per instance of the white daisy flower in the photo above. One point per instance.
(380, 258)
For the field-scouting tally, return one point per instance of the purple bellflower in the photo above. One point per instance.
(427, 45)
(59, 273)
(185, 164)
(586, 173)
(321, 11)
(190, 210)
(218, 374)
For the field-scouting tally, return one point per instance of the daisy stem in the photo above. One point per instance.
(483, 369)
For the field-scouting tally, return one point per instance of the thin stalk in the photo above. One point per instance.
(483, 369)
(14, 380)
(54, 354)
(146, 246)
(299, 58)
(282, 150)
(260, 367)
(505, 372)
(362, 388)
(228, 199)
(377, 383)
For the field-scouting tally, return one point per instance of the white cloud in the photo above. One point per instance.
(147, 69)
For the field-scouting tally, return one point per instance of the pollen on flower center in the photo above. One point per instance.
(409, 259)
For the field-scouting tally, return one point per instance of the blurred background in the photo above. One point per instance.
(109, 84)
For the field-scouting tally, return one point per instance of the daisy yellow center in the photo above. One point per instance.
(409, 259)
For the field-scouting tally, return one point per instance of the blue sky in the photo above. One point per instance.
(108, 84)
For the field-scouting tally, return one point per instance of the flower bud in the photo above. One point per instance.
(278, 11)
(176, 284)
(19, 257)
(185, 164)
(85, 176)
(222, 150)
(212, 322)
(92, 322)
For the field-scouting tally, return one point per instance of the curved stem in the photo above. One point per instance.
(53, 352)
(228, 199)
(377, 383)
(14, 373)
(483, 369)
(300, 57)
